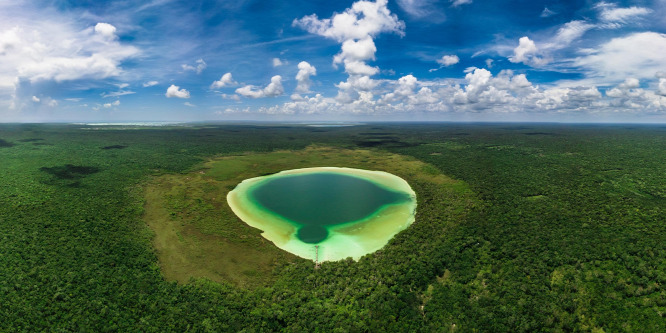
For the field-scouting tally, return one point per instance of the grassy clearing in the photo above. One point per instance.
(196, 233)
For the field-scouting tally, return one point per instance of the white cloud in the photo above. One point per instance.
(232, 97)
(527, 53)
(52, 102)
(629, 96)
(175, 91)
(273, 89)
(35, 99)
(106, 30)
(355, 29)
(448, 60)
(489, 63)
(363, 19)
(423, 9)
(638, 55)
(456, 3)
(51, 49)
(661, 89)
(225, 81)
(405, 88)
(277, 62)
(189, 104)
(571, 31)
(109, 105)
(200, 66)
(305, 70)
(560, 99)
(610, 13)
(547, 12)
(150, 84)
(118, 93)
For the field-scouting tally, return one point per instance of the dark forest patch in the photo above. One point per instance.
(31, 140)
(70, 171)
(540, 133)
(115, 147)
(5, 144)
(376, 133)
(383, 142)
(514, 128)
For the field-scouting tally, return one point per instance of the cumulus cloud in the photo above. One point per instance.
(363, 19)
(629, 95)
(200, 66)
(35, 99)
(38, 48)
(305, 70)
(448, 60)
(661, 88)
(527, 53)
(106, 30)
(35, 54)
(225, 81)
(354, 29)
(150, 84)
(273, 89)
(277, 62)
(175, 91)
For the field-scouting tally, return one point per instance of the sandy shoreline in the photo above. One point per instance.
(346, 240)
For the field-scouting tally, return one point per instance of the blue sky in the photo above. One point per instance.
(419, 60)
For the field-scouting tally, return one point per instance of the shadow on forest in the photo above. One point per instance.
(69, 171)
(4, 144)
(115, 147)
(31, 140)
(383, 142)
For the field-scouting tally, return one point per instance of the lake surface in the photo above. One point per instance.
(315, 201)
(344, 212)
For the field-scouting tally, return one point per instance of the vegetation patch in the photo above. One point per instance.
(197, 235)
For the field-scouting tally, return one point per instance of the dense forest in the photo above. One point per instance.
(566, 231)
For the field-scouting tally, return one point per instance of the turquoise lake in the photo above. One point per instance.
(313, 202)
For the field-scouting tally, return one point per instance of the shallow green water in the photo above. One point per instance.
(315, 201)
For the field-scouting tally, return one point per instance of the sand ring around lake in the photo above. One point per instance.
(345, 212)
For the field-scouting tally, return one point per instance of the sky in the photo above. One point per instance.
(397, 60)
